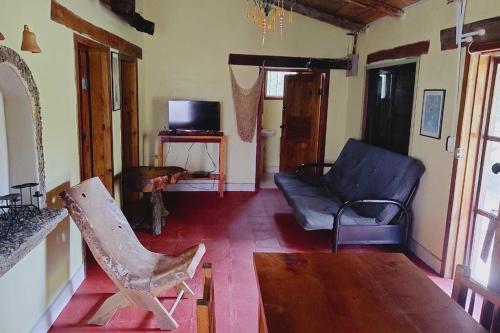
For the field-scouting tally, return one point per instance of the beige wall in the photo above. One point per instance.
(28, 289)
(187, 59)
(436, 70)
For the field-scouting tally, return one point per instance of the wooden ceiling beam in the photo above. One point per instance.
(269, 61)
(338, 21)
(379, 6)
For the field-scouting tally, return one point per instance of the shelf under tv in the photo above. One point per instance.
(219, 177)
(212, 176)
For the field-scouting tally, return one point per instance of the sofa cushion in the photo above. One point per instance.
(313, 205)
(363, 171)
(317, 213)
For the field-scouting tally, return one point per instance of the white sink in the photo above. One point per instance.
(268, 132)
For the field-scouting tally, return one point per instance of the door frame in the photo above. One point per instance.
(325, 96)
(127, 128)
(475, 102)
(81, 42)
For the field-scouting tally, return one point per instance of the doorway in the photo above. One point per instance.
(129, 122)
(292, 121)
(389, 107)
(95, 137)
(94, 112)
(487, 185)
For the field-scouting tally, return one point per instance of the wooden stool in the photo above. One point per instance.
(152, 180)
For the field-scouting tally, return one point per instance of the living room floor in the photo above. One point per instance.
(232, 229)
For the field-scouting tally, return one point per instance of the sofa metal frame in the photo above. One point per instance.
(395, 232)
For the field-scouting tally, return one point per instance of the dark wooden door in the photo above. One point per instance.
(390, 107)
(129, 123)
(85, 130)
(302, 138)
(95, 125)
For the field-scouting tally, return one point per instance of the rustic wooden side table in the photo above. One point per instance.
(152, 181)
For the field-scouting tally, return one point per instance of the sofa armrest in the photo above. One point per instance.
(312, 165)
(336, 222)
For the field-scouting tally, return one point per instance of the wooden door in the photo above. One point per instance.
(129, 122)
(485, 206)
(85, 131)
(94, 105)
(303, 124)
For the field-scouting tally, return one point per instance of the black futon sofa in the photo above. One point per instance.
(364, 198)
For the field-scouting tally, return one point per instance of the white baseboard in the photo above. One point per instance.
(210, 187)
(55, 308)
(427, 257)
(272, 169)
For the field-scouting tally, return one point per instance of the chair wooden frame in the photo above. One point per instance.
(140, 275)
(490, 319)
(205, 313)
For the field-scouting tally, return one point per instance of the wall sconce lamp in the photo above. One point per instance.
(29, 41)
(1, 36)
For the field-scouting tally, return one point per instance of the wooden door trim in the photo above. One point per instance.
(258, 155)
(403, 51)
(64, 16)
(134, 61)
(323, 115)
(450, 244)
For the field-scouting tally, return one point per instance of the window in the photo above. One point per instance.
(275, 84)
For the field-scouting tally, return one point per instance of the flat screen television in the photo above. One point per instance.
(193, 116)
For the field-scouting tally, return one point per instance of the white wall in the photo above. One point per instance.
(4, 152)
(187, 59)
(31, 286)
(436, 70)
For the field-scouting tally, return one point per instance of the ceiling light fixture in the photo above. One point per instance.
(266, 13)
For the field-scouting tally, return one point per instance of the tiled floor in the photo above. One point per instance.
(231, 228)
(267, 180)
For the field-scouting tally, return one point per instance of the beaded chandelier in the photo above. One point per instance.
(266, 13)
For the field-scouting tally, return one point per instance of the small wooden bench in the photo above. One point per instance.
(205, 311)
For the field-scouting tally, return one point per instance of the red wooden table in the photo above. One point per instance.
(376, 292)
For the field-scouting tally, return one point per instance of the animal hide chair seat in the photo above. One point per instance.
(139, 274)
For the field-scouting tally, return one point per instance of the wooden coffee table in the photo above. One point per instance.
(152, 180)
(373, 292)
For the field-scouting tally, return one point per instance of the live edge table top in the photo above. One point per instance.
(344, 292)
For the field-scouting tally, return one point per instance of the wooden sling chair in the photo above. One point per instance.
(139, 274)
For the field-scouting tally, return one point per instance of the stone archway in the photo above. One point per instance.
(20, 93)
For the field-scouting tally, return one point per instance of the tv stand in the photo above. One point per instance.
(220, 177)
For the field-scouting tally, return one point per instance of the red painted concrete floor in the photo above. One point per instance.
(232, 229)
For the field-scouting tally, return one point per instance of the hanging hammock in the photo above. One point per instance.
(246, 105)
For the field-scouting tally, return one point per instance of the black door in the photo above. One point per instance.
(389, 108)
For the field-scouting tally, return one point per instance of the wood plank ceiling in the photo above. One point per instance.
(354, 15)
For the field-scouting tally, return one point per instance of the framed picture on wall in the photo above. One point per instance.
(116, 82)
(432, 113)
